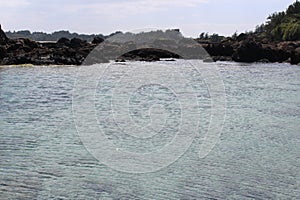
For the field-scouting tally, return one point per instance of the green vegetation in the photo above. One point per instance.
(211, 38)
(41, 36)
(282, 26)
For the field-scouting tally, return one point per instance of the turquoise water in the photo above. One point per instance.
(257, 155)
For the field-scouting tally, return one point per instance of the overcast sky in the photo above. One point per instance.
(107, 16)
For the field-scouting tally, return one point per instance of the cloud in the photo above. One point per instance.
(177, 3)
(13, 3)
(131, 7)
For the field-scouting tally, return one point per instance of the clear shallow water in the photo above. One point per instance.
(257, 157)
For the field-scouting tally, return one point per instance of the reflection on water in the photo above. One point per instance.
(257, 157)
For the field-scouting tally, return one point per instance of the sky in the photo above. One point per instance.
(107, 16)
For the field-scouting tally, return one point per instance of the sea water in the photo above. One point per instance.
(257, 154)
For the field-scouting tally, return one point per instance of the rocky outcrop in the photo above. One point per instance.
(63, 42)
(3, 37)
(243, 48)
(3, 52)
(97, 40)
(26, 51)
(148, 54)
(246, 48)
(295, 58)
(72, 52)
(248, 51)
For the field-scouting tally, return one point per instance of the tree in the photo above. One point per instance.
(201, 36)
(206, 37)
(283, 25)
(235, 34)
(260, 28)
(274, 21)
(291, 31)
(294, 8)
(216, 38)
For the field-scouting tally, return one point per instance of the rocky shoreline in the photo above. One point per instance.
(243, 48)
(249, 49)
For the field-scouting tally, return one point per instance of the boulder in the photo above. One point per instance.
(3, 38)
(97, 40)
(241, 37)
(149, 54)
(295, 57)
(30, 43)
(18, 60)
(21, 45)
(273, 54)
(63, 42)
(248, 51)
(76, 43)
(219, 49)
(120, 60)
(3, 52)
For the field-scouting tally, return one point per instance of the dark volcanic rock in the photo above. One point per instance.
(3, 38)
(30, 43)
(22, 45)
(77, 43)
(219, 49)
(97, 40)
(295, 58)
(17, 60)
(273, 54)
(3, 52)
(244, 48)
(222, 58)
(248, 51)
(148, 54)
(63, 42)
(120, 60)
(241, 37)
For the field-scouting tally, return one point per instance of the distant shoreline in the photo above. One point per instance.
(242, 48)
